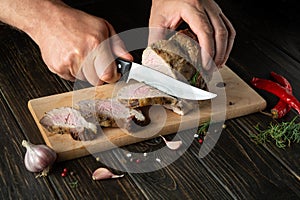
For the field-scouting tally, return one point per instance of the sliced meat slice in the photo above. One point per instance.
(110, 113)
(136, 94)
(68, 120)
(159, 59)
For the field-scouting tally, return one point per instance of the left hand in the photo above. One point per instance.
(214, 31)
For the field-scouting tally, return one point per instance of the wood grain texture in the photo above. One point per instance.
(289, 156)
(86, 187)
(185, 178)
(246, 168)
(22, 67)
(15, 180)
(173, 178)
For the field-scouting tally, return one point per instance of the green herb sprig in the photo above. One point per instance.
(195, 78)
(283, 134)
(202, 129)
(74, 184)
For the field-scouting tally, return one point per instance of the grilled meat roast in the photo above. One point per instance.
(179, 57)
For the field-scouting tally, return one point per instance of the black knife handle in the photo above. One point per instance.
(123, 66)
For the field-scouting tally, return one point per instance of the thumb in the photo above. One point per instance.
(119, 49)
(117, 45)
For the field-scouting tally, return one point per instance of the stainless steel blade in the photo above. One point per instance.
(167, 84)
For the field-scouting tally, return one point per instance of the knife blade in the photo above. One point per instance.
(131, 70)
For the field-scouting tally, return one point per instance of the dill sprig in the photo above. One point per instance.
(202, 129)
(283, 133)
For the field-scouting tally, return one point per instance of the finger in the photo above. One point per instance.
(80, 75)
(89, 74)
(118, 46)
(231, 37)
(156, 34)
(104, 64)
(105, 68)
(200, 25)
(110, 74)
(221, 37)
(86, 71)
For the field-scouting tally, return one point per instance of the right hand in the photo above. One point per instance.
(205, 18)
(74, 45)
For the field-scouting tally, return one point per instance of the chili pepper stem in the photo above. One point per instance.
(266, 113)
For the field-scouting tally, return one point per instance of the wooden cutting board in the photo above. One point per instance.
(235, 99)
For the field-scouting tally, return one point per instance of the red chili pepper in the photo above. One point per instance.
(281, 108)
(277, 90)
(282, 81)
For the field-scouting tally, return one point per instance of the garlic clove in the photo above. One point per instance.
(173, 145)
(103, 173)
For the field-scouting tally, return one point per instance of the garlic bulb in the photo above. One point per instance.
(38, 158)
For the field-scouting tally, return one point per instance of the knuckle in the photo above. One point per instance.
(208, 30)
(219, 59)
(93, 41)
(60, 70)
(232, 33)
(222, 32)
(192, 2)
(108, 77)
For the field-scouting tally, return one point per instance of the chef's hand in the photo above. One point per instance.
(71, 39)
(214, 31)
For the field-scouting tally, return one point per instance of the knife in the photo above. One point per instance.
(131, 70)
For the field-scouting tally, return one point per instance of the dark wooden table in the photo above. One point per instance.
(237, 168)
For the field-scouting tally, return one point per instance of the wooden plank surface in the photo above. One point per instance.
(15, 181)
(247, 169)
(240, 100)
(235, 169)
